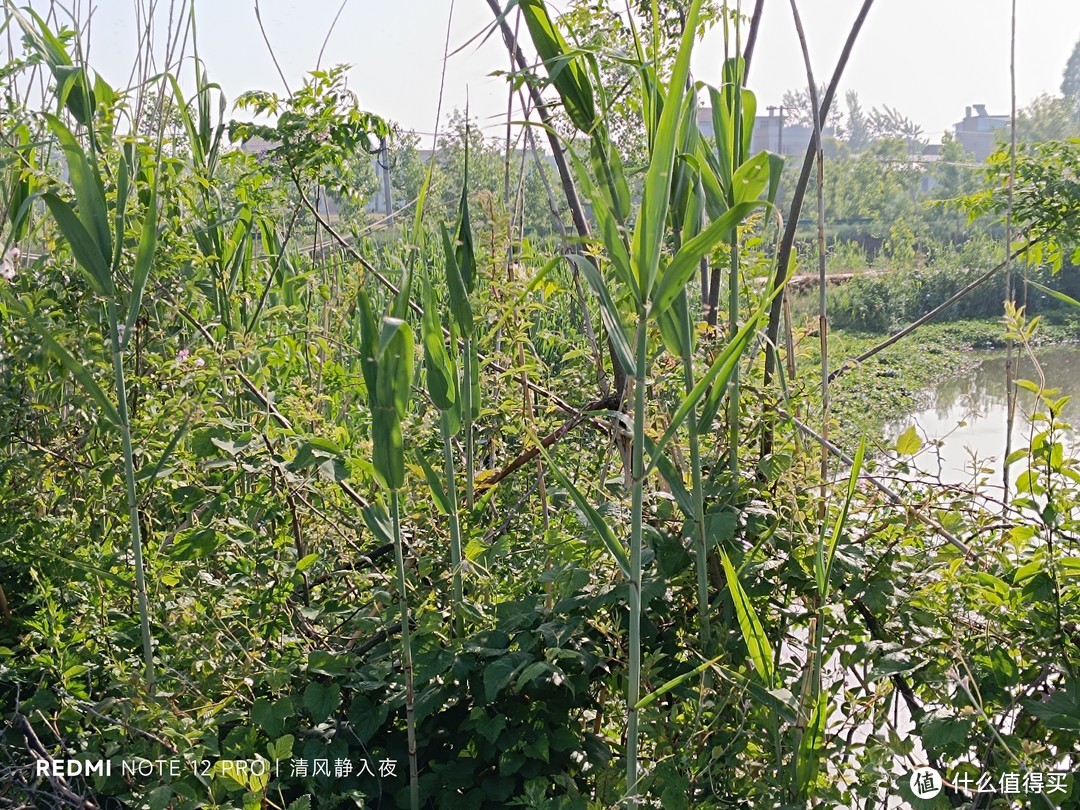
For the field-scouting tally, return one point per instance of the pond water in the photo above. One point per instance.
(965, 419)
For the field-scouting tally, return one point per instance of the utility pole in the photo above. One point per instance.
(382, 160)
(780, 136)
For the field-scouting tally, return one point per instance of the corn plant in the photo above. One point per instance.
(387, 353)
(650, 286)
(96, 237)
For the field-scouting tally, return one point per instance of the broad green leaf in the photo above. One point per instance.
(441, 372)
(83, 248)
(77, 369)
(908, 442)
(144, 259)
(614, 545)
(652, 218)
(321, 700)
(460, 308)
(395, 362)
(751, 178)
(808, 759)
(88, 186)
(687, 260)
(564, 66)
(757, 643)
(609, 313)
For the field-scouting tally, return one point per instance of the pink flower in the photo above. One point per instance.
(182, 355)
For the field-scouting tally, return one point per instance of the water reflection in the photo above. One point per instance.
(967, 413)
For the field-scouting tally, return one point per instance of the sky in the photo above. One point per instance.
(929, 59)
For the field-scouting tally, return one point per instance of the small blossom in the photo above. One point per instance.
(182, 355)
(199, 362)
(9, 263)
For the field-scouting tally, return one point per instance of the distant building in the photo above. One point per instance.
(978, 132)
(772, 132)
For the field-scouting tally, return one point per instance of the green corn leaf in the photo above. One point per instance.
(77, 369)
(460, 308)
(395, 361)
(600, 526)
(687, 260)
(673, 478)
(776, 171)
(808, 759)
(609, 313)
(757, 643)
(441, 373)
(748, 108)
(751, 178)
(667, 687)
(438, 491)
(387, 448)
(1060, 296)
(825, 557)
(123, 191)
(144, 260)
(611, 232)
(724, 133)
(89, 189)
(608, 168)
(649, 232)
(83, 246)
(566, 69)
(368, 338)
(717, 375)
(675, 328)
(464, 255)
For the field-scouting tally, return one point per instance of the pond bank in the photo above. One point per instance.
(900, 380)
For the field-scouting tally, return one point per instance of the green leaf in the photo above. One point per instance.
(460, 308)
(609, 313)
(441, 372)
(686, 261)
(751, 178)
(662, 690)
(600, 525)
(438, 491)
(83, 248)
(1060, 296)
(908, 442)
(321, 700)
(88, 186)
(499, 673)
(649, 232)
(757, 643)
(144, 259)
(808, 760)
(566, 69)
(78, 371)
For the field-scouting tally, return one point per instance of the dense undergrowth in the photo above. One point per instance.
(523, 549)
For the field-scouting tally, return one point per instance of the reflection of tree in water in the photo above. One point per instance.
(982, 392)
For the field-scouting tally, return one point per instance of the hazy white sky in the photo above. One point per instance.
(927, 58)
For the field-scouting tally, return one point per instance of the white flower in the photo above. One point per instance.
(9, 263)
(199, 362)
